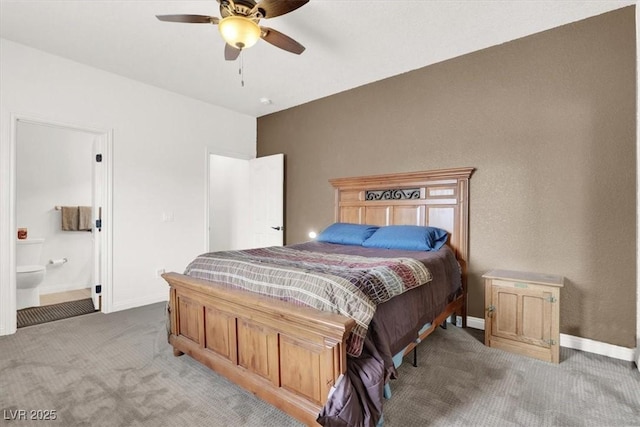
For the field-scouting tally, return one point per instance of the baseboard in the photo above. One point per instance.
(578, 343)
(475, 323)
(597, 347)
(139, 302)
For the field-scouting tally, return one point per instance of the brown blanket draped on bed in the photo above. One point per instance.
(358, 399)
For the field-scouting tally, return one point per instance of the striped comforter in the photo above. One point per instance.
(346, 284)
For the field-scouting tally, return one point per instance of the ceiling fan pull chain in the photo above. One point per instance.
(241, 70)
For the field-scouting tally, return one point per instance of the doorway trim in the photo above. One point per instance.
(637, 349)
(8, 324)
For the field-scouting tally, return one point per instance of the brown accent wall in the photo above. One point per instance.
(548, 120)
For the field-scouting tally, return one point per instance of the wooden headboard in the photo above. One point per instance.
(438, 198)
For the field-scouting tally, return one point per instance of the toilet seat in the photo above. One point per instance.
(29, 268)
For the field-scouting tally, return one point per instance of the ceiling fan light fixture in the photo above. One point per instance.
(239, 32)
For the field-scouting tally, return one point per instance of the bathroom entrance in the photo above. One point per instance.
(59, 194)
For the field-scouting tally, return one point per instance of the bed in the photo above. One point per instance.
(296, 357)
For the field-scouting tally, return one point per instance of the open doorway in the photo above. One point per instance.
(62, 266)
(245, 202)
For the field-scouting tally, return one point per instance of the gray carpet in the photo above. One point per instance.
(49, 313)
(118, 370)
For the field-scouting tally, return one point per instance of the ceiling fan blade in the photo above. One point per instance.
(272, 8)
(282, 41)
(189, 19)
(230, 52)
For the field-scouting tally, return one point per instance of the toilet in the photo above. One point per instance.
(29, 272)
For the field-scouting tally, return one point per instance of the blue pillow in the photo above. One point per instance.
(347, 234)
(407, 237)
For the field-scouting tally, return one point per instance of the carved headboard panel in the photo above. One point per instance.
(438, 198)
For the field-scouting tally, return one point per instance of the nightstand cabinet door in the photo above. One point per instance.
(522, 313)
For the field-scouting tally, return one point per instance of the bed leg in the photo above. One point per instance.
(415, 356)
(459, 320)
(177, 352)
(443, 325)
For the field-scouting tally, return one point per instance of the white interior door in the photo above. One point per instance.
(267, 200)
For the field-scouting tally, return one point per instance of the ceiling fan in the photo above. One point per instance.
(239, 24)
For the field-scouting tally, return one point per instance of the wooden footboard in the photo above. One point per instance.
(287, 355)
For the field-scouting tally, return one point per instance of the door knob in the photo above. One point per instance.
(491, 310)
(278, 228)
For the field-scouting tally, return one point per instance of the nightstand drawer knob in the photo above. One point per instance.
(490, 310)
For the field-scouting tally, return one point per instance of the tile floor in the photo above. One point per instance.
(65, 296)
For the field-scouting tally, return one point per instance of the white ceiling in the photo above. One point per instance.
(349, 43)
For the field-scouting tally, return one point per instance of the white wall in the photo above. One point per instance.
(160, 144)
(637, 355)
(54, 168)
(229, 204)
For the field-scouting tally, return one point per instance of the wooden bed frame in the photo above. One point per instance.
(291, 356)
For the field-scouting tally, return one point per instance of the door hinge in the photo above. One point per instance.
(551, 299)
(98, 289)
(98, 158)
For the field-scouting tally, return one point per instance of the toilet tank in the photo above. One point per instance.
(29, 251)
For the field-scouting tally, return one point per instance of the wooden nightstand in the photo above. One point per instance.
(522, 313)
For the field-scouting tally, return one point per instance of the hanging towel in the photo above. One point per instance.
(84, 218)
(69, 218)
